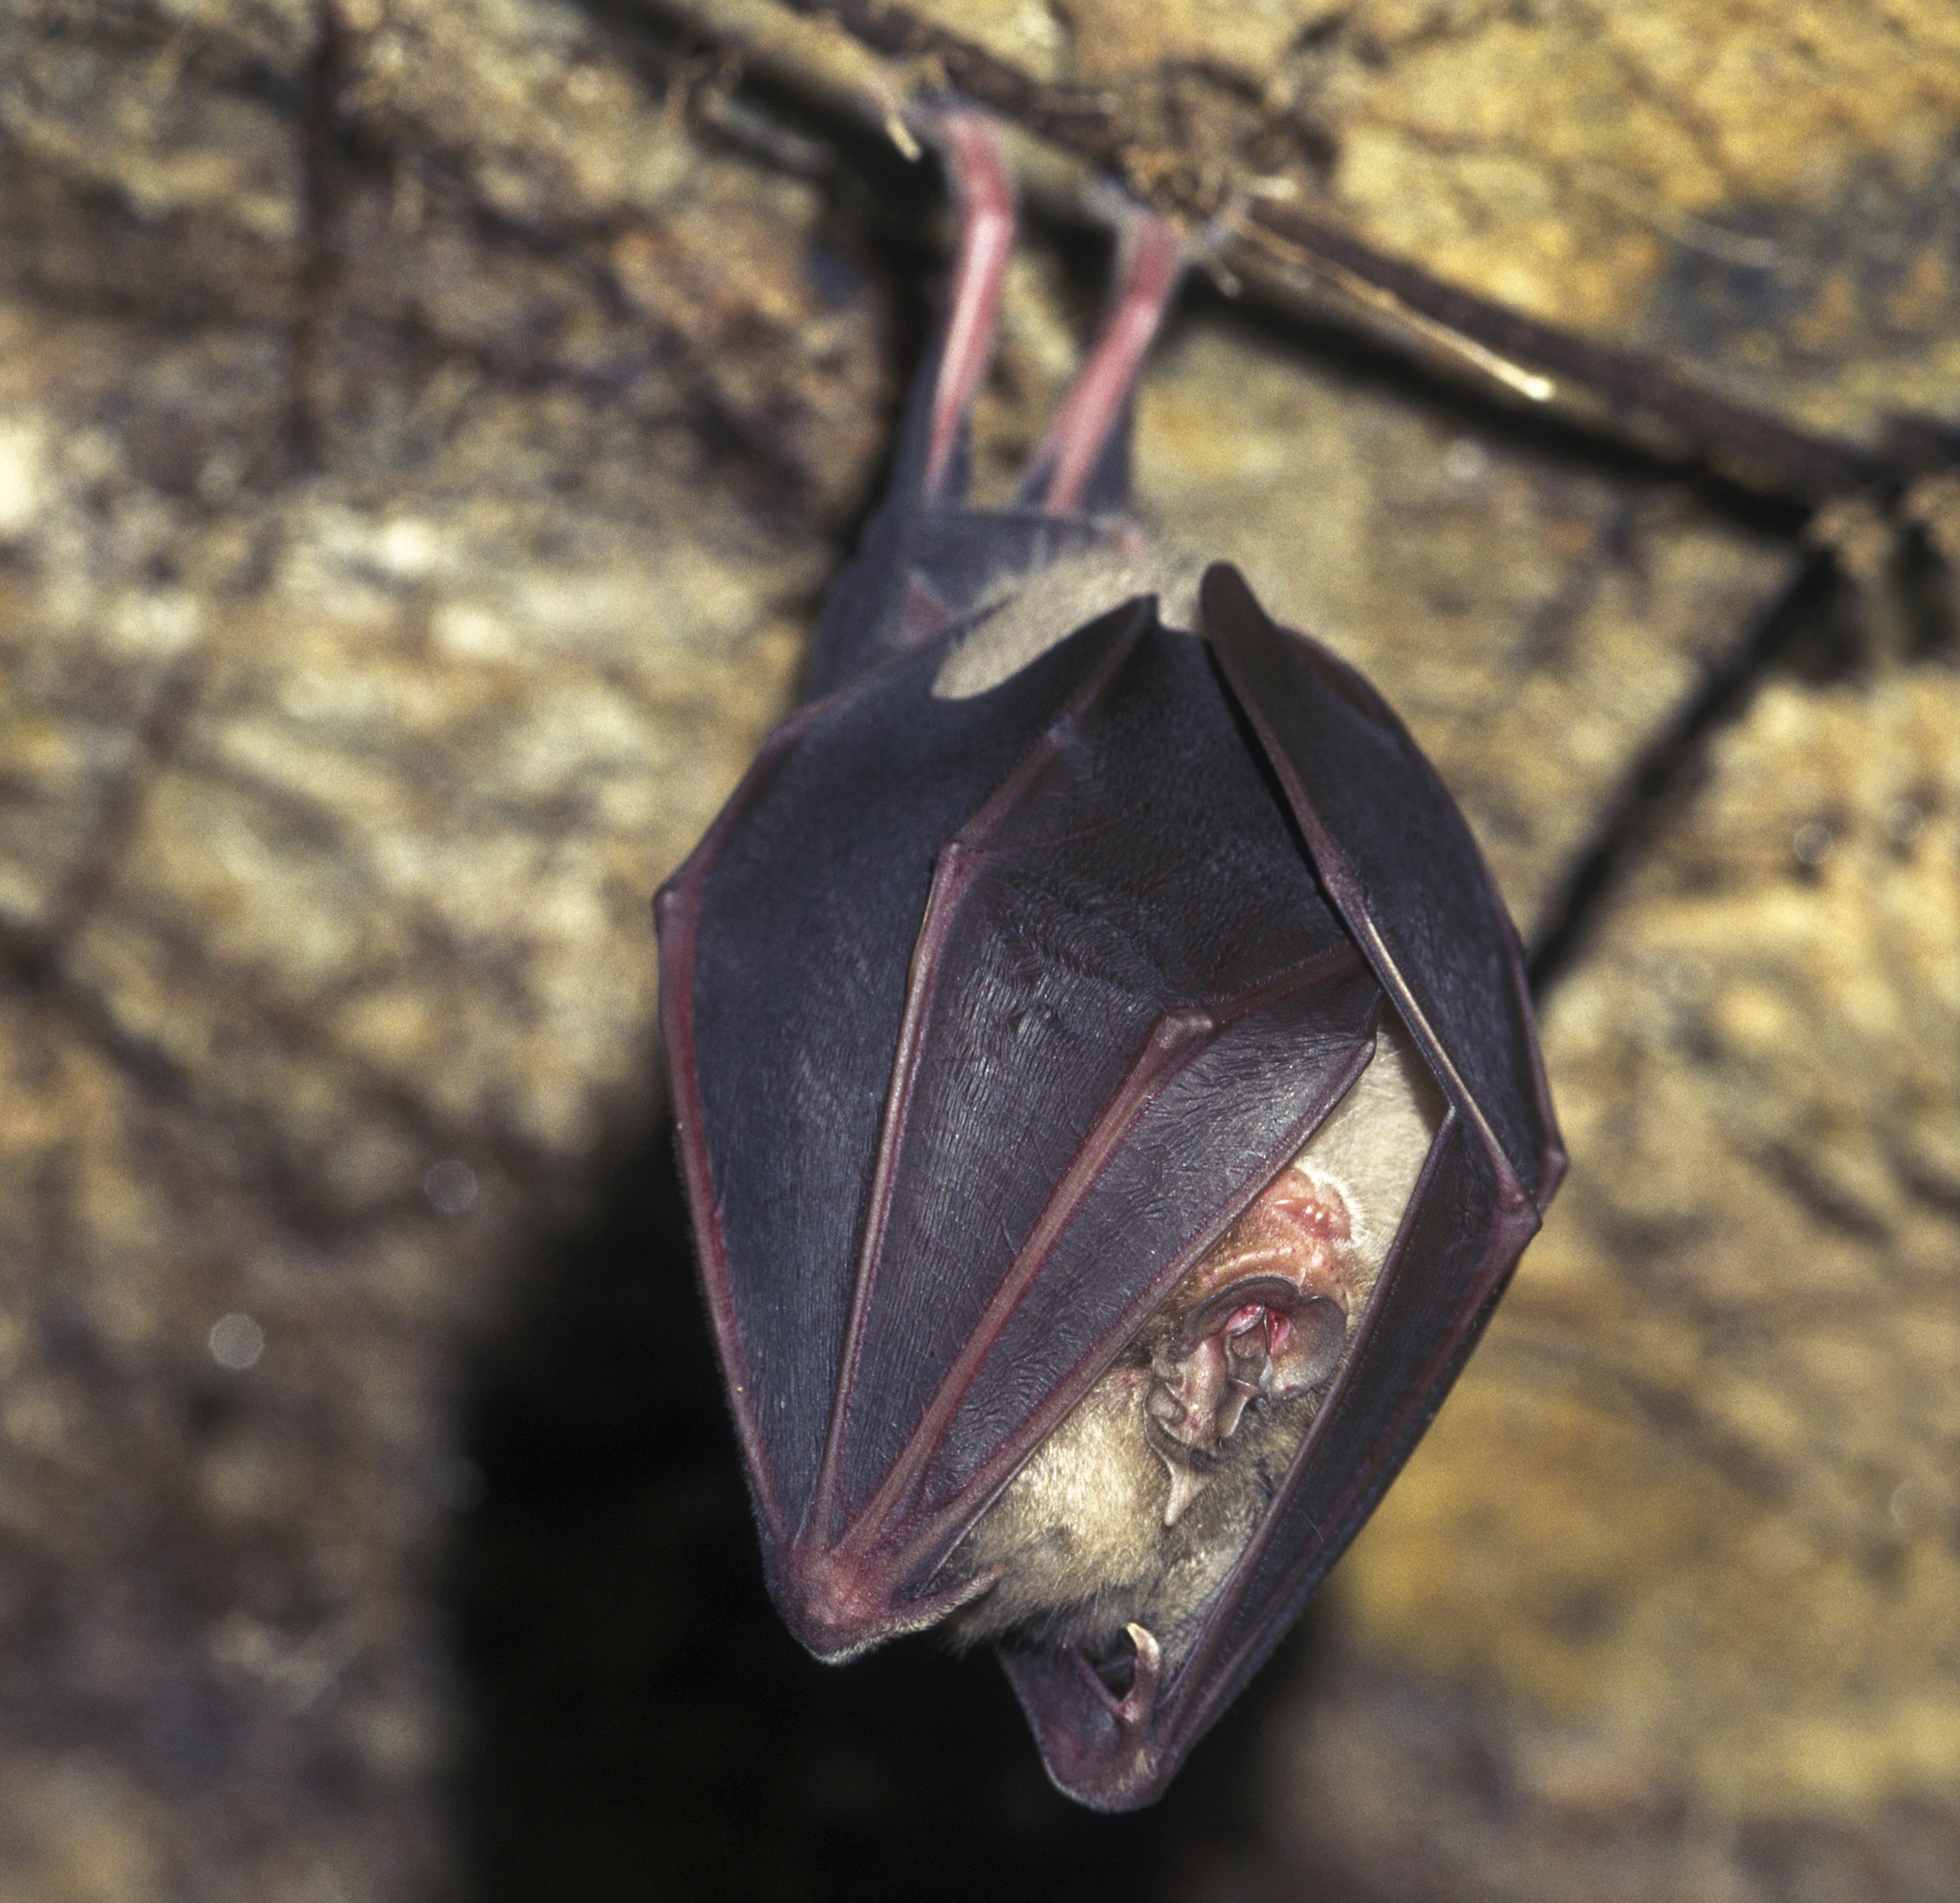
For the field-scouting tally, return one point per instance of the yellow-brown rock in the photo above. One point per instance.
(426, 427)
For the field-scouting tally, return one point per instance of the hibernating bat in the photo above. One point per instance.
(1107, 1092)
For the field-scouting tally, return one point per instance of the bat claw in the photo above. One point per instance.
(1186, 1484)
(1134, 1710)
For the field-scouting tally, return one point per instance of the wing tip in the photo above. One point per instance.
(839, 1601)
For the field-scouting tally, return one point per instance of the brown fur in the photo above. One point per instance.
(1043, 608)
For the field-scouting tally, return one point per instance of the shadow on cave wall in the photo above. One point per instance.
(637, 1723)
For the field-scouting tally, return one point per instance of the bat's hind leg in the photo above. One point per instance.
(1081, 465)
(986, 241)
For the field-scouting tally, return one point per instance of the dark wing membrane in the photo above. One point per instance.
(1397, 861)
(1401, 867)
(785, 941)
(943, 1188)
(1126, 929)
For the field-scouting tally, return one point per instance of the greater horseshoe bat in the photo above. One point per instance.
(1107, 1093)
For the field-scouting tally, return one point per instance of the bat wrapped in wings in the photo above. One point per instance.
(1107, 1092)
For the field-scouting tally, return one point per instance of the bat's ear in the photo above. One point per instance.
(1399, 865)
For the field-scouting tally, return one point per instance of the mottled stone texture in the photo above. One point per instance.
(424, 427)
(416, 455)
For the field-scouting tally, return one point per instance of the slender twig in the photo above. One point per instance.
(1657, 777)
(1289, 252)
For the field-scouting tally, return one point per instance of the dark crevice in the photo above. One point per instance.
(320, 137)
(30, 961)
(638, 1721)
(1826, 1202)
(1665, 771)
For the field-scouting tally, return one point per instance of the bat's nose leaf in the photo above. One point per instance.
(1401, 865)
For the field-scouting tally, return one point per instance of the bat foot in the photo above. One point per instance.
(1134, 1710)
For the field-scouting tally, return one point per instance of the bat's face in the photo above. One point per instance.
(1109, 1099)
